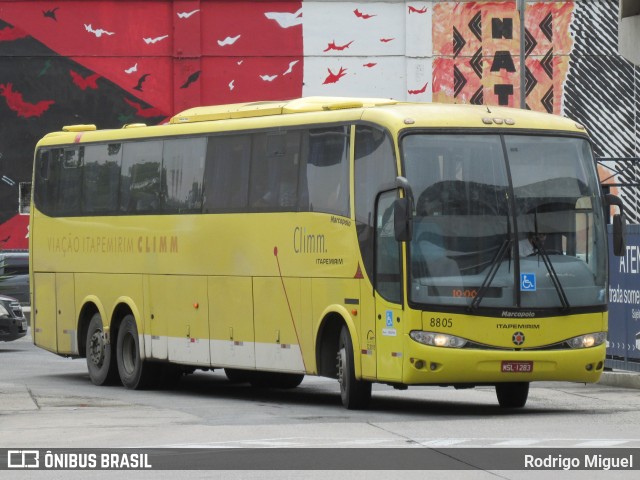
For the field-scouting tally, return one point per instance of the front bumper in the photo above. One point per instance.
(426, 365)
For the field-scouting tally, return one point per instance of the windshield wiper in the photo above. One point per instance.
(552, 272)
(493, 270)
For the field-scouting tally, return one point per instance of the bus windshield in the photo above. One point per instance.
(505, 221)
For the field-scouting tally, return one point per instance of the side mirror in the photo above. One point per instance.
(619, 224)
(403, 212)
(402, 220)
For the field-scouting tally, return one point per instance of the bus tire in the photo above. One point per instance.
(512, 395)
(135, 373)
(101, 363)
(355, 394)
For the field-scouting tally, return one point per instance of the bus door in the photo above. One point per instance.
(388, 292)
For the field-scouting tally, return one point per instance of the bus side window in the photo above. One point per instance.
(374, 168)
(275, 163)
(325, 176)
(226, 175)
(182, 173)
(44, 191)
(101, 178)
(140, 177)
(70, 182)
(388, 270)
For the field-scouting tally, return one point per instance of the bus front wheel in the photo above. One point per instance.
(512, 395)
(100, 362)
(355, 394)
(134, 372)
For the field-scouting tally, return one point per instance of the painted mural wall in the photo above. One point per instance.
(114, 62)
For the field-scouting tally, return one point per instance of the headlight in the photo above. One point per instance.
(3, 311)
(587, 341)
(436, 339)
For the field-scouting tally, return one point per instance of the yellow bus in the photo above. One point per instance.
(366, 240)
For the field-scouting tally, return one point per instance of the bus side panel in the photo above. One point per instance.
(44, 311)
(157, 326)
(179, 306)
(305, 326)
(146, 295)
(231, 322)
(277, 306)
(67, 320)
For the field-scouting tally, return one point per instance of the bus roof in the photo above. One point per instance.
(259, 109)
(390, 113)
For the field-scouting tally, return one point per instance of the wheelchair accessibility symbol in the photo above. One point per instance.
(528, 282)
(389, 319)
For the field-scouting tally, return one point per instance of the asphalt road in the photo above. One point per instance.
(49, 402)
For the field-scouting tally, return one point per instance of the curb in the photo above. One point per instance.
(620, 379)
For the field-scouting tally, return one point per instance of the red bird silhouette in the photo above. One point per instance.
(370, 65)
(145, 112)
(333, 46)
(364, 16)
(24, 109)
(334, 77)
(422, 90)
(387, 40)
(84, 83)
(415, 10)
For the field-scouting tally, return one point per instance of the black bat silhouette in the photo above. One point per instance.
(140, 82)
(192, 78)
(50, 13)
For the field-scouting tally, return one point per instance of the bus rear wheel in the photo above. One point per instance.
(101, 363)
(512, 395)
(355, 394)
(135, 373)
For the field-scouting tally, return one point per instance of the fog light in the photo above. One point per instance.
(419, 364)
(589, 367)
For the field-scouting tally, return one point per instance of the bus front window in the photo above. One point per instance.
(559, 213)
(504, 232)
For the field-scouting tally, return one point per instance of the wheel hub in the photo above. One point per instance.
(96, 348)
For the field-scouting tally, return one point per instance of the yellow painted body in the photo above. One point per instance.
(253, 290)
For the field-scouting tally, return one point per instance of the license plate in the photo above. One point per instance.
(517, 367)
